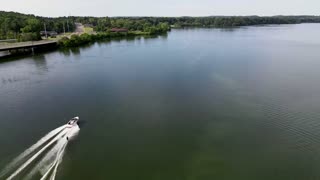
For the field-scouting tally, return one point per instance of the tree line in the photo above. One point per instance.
(233, 21)
(27, 27)
(142, 23)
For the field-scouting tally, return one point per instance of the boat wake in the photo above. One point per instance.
(43, 158)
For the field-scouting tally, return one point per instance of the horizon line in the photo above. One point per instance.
(137, 16)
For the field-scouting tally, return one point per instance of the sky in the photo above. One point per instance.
(54, 8)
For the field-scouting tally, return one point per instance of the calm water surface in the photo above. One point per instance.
(197, 104)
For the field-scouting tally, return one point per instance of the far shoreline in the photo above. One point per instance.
(77, 41)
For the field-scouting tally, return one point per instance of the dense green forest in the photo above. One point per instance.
(27, 27)
(143, 24)
(138, 23)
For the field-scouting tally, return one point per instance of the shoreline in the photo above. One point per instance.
(77, 41)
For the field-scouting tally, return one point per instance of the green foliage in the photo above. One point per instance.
(231, 21)
(102, 24)
(30, 36)
(155, 25)
(63, 41)
(146, 25)
(76, 40)
(60, 25)
(27, 27)
(32, 25)
(19, 26)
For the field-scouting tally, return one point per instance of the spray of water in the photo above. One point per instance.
(31, 149)
(45, 155)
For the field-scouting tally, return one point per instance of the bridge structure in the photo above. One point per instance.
(29, 46)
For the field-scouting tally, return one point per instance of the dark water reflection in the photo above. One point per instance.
(196, 104)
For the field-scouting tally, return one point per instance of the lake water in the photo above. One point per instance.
(196, 104)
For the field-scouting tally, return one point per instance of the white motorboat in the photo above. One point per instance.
(72, 122)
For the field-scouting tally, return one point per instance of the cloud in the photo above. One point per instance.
(162, 8)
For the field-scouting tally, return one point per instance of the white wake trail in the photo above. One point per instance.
(23, 166)
(43, 157)
(70, 134)
(55, 163)
(31, 149)
(58, 161)
(46, 162)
